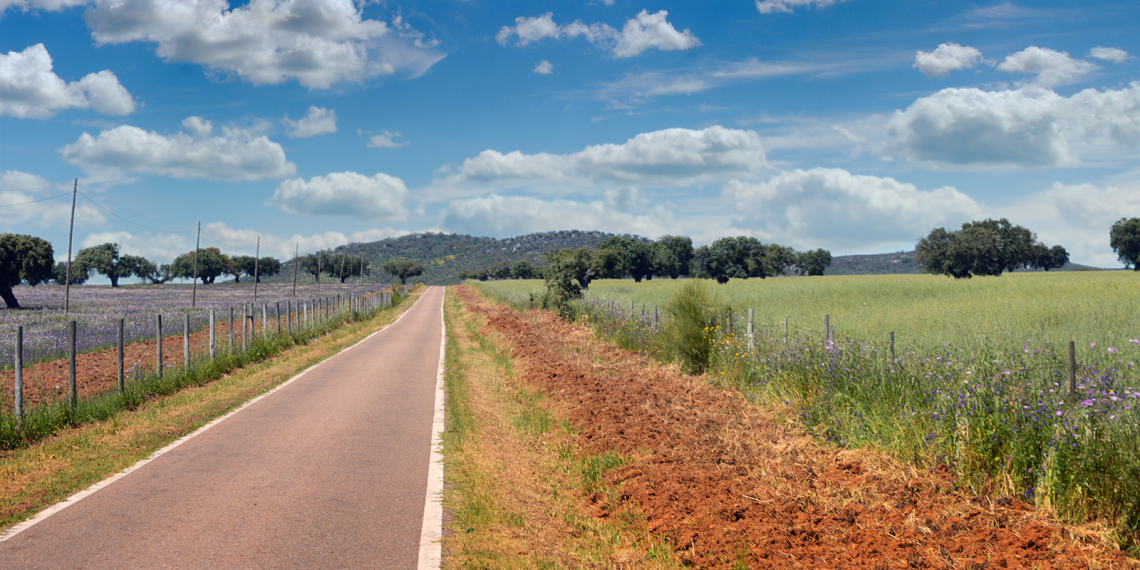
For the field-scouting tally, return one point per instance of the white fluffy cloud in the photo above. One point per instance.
(668, 157)
(544, 68)
(640, 33)
(236, 155)
(159, 248)
(1078, 216)
(946, 58)
(26, 198)
(318, 122)
(833, 208)
(29, 89)
(379, 197)
(386, 140)
(318, 43)
(786, 6)
(1030, 126)
(1052, 68)
(503, 216)
(1115, 55)
(48, 5)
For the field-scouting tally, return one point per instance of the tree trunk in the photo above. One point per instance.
(237, 278)
(9, 297)
(114, 280)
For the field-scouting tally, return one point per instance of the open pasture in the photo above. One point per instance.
(96, 310)
(927, 313)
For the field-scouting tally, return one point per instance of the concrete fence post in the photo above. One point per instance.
(213, 325)
(18, 389)
(71, 356)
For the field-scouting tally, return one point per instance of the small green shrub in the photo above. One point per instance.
(689, 331)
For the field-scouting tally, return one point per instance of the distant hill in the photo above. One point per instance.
(444, 255)
(903, 262)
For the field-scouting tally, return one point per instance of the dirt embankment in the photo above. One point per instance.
(728, 485)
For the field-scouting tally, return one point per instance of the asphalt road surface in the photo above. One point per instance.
(328, 472)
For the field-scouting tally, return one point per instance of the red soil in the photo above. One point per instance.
(726, 483)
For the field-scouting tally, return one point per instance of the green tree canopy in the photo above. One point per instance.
(566, 271)
(402, 269)
(988, 247)
(1124, 237)
(59, 274)
(23, 258)
(741, 258)
(249, 265)
(636, 257)
(1047, 258)
(211, 264)
(522, 270)
(813, 262)
(314, 264)
(672, 255)
(105, 260)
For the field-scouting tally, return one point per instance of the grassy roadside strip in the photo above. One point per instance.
(520, 492)
(35, 477)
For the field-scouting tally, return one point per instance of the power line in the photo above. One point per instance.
(100, 206)
(103, 198)
(33, 201)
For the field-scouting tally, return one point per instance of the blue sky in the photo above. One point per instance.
(853, 125)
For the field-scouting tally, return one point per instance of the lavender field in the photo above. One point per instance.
(97, 309)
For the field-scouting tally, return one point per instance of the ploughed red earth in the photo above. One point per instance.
(726, 483)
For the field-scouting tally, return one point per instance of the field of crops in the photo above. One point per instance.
(979, 382)
(97, 309)
(925, 312)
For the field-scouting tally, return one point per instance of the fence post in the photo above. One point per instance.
(289, 315)
(244, 328)
(186, 343)
(278, 314)
(264, 319)
(213, 324)
(231, 330)
(751, 338)
(19, 387)
(158, 335)
(827, 327)
(892, 345)
(122, 380)
(71, 366)
(1072, 368)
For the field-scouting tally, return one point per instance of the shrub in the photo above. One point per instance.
(689, 331)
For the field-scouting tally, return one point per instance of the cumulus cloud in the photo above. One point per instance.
(1115, 55)
(503, 216)
(318, 122)
(236, 155)
(640, 33)
(29, 89)
(1078, 216)
(318, 43)
(27, 198)
(834, 208)
(160, 248)
(946, 58)
(786, 6)
(386, 140)
(1052, 68)
(1030, 126)
(668, 157)
(379, 197)
(46, 5)
(544, 68)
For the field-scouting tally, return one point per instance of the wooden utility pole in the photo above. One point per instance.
(320, 254)
(197, 242)
(70, 233)
(344, 255)
(256, 258)
(296, 255)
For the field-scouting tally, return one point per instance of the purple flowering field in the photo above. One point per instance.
(96, 310)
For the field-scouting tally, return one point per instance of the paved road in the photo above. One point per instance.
(328, 472)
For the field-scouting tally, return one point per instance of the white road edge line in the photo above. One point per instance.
(431, 531)
(44, 514)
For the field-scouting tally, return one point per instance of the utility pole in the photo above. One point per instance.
(197, 242)
(256, 258)
(320, 254)
(342, 258)
(296, 253)
(70, 233)
(362, 270)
